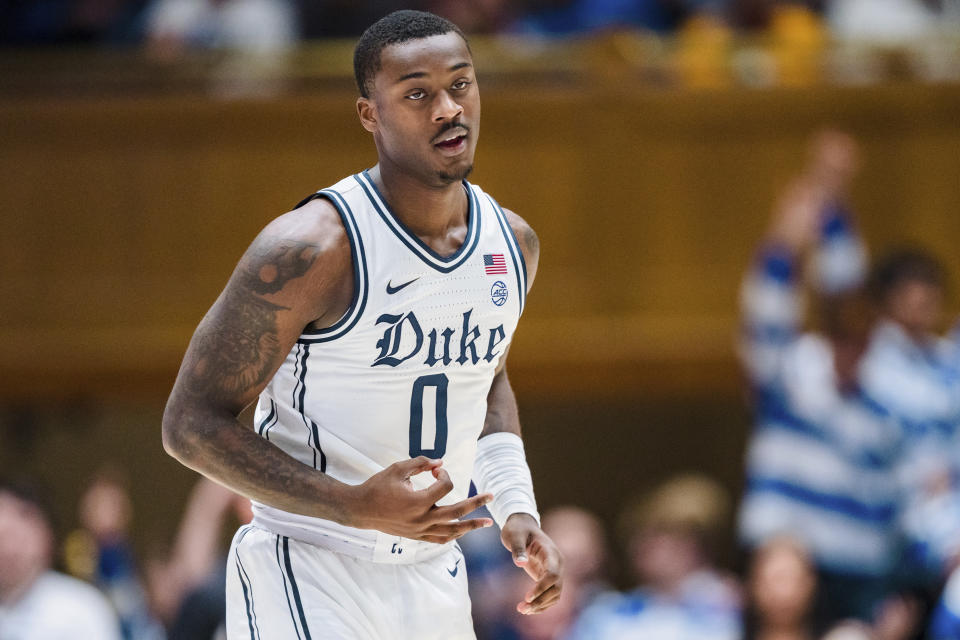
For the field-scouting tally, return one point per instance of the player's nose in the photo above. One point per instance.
(446, 108)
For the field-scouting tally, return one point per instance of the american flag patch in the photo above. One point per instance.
(494, 263)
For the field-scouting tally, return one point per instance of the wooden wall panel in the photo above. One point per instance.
(123, 217)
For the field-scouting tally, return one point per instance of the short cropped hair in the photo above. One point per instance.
(397, 27)
(909, 264)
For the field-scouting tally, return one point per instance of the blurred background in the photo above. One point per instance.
(143, 144)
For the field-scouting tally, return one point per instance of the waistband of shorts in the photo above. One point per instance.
(364, 544)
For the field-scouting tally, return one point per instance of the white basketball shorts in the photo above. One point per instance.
(279, 588)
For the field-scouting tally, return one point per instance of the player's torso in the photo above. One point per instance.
(407, 370)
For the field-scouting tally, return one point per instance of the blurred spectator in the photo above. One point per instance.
(945, 621)
(105, 514)
(953, 353)
(254, 36)
(58, 22)
(897, 619)
(255, 26)
(822, 461)
(37, 603)
(888, 22)
(568, 17)
(580, 536)
(850, 630)
(781, 589)
(477, 16)
(188, 589)
(909, 372)
(681, 594)
(344, 18)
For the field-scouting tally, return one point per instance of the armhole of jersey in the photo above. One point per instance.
(359, 259)
(519, 264)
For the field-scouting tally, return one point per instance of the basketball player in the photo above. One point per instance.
(373, 322)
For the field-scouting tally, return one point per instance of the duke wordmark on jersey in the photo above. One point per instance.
(403, 339)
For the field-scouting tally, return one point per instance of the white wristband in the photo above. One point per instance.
(501, 468)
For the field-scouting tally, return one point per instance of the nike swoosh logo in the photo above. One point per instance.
(456, 568)
(391, 289)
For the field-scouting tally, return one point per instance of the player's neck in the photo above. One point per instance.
(428, 211)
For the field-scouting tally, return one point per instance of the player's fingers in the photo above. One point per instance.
(551, 598)
(413, 466)
(440, 487)
(544, 601)
(549, 578)
(458, 527)
(460, 509)
(516, 543)
(443, 537)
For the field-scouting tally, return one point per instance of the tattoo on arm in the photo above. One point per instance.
(240, 350)
(268, 269)
(234, 352)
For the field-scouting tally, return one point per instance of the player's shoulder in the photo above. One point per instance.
(521, 228)
(527, 239)
(523, 231)
(315, 225)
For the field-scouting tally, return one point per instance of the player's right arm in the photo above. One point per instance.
(297, 272)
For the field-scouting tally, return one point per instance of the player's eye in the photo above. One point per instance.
(419, 94)
(460, 85)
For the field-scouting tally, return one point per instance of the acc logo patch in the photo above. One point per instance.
(499, 293)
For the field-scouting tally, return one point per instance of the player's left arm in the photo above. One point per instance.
(502, 464)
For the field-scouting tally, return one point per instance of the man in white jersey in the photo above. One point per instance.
(372, 323)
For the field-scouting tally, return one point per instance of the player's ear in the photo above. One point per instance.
(368, 113)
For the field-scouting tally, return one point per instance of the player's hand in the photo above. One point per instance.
(388, 502)
(535, 553)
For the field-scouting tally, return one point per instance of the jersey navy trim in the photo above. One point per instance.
(248, 600)
(247, 586)
(415, 244)
(520, 267)
(276, 420)
(293, 584)
(266, 421)
(359, 259)
(299, 391)
(286, 591)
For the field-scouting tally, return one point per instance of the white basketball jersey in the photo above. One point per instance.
(406, 371)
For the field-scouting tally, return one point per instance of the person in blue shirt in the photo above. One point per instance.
(681, 594)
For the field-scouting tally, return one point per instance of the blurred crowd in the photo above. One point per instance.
(92, 584)
(265, 25)
(855, 454)
(848, 527)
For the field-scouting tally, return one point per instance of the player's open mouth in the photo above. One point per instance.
(453, 145)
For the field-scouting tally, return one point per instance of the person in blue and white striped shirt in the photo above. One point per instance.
(822, 462)
(910, 372)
